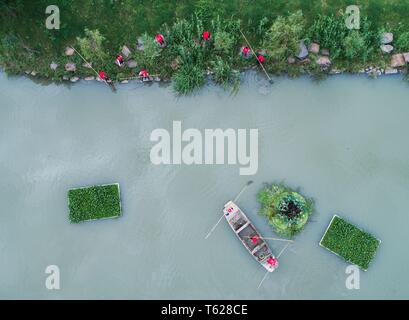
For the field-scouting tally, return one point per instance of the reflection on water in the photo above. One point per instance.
(343, 141)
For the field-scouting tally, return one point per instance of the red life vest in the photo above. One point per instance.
(143, 73)
(254, 239)
(246, 51)
(120, 59)
(206, 35)
(159, 38)
(261, 58)
(272, 261)
(102, 75)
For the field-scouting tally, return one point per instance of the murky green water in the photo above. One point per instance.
(343, 141)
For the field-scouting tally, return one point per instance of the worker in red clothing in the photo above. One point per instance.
(272, 261)
(144, 75)
(160, 40)
(261, 56)
(206, 35)
(119, 60)
(102, 75)
(245, 52)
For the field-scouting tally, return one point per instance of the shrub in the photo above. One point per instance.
(286, 210)
(402, 43)
(151, 52)
(222, 71)
(329, 31)
(350, 242)
(223, 42)
(187, 78)
(91, 46)
(356, 46)
(96, 202)
(282, 39)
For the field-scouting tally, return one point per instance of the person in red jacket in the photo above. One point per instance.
(245, 52)
(119, 60)
(160, 39)
(206, 35)
(102, 75)
(144, 75)
(261, 58)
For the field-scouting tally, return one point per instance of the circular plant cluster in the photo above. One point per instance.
(286, 210)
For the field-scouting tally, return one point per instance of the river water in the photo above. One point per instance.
(343, 142)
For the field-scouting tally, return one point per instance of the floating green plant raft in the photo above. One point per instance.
(349, 242)
(95, 202)
(286, 210)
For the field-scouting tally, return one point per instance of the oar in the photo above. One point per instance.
(265, 71)
(235, 199)
(89, 64)
(276, 239)
(278, 256)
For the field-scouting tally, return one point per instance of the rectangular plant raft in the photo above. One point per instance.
(349, 242)
(95, 202)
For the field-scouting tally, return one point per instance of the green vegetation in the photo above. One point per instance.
(96, 202)
(99, 30)
(283, 37)
(286, 210)
(349, 242)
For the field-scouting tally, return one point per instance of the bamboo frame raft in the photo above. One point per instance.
(96, 202)
(349, 242)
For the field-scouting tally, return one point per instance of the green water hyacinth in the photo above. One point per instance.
(286, 210)
(95, 202)
(350, 242)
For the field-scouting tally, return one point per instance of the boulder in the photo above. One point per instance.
(124, 81)
(398, 60)
(69, 51)
(389, 71)
(90, 78)
(386, 37)
(325, 52)
(303, 51)
(291, 60)
(74, 79)
(33, 73)
(386, 48)
(305, 61)
(53, 66)
(314, 48)
(323, 61)
(131, 64)
(87, 65)
(65, 78)
(139, 44)
(174, 64)
(125, 51)
(70, 67)
(406, 56)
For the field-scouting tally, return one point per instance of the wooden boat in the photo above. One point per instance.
(249, 236)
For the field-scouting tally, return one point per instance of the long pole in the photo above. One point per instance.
(278, 256)
(276, 239)
(90, 66)
(235, 199)
(265, 71)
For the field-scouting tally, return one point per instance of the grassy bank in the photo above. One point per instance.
(272, 25)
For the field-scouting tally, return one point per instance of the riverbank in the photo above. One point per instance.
(294, 40)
